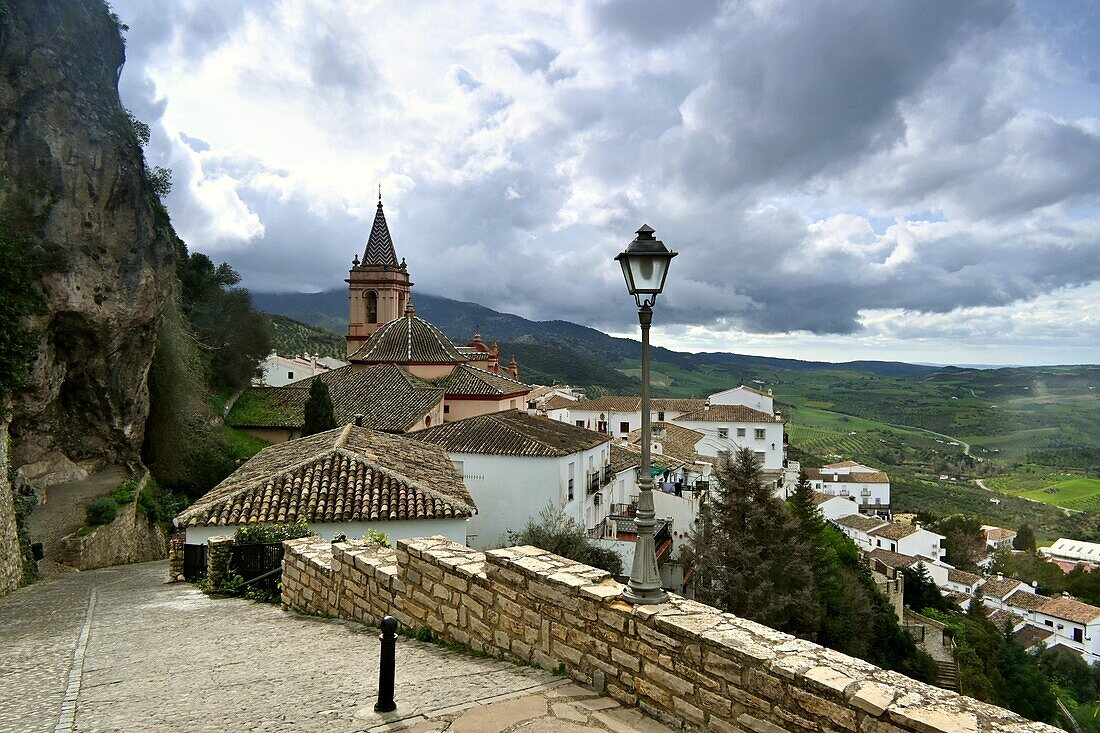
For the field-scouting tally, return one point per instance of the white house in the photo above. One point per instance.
(344, 481)
(858, 528)
(619, 416)
(960, 581)
(908, 539)
(835, 507)
(729, 428)
(746, 396)
(279, 371)
(868, 486)
(998, 538)
(515, 464)
(936, 571)
(997, 589)
(1074, 624)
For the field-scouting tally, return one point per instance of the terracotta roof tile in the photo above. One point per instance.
(728, 413)
(675, 440)
(1030, 636)
(408, 340)
(859, 522)
(1070, 610)
(895, 531)
(349, 474)
(999, 588)
(389, 398)
(628, 456)
(895, 559)
(557, 402)
(999, 618)
(877, 477)
(1027, 601)
(511, 433)
(469, 380)
(961, 576)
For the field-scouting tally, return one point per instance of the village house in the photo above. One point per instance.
(960, 581)
(900, 561)
(619, 416)
(996, 590)
(515, 464)
(835, 507)
(345, 481)
(909, 539)
(858, 527)
(868, 486)
(998, 538)
(1062, 620)
(279, 371)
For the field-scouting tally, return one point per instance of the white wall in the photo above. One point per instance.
(771, 445)
(400, 529)
(877, 496)
(746, 397)
(923, 543)
(838, 507)
(1088, 647)
(279, 371)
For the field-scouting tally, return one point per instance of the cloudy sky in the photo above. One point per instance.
(909, 180)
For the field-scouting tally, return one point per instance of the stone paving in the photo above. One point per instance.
(119, 650)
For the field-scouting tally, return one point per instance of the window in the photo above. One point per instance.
(580, 423)
(427, 421)
(290, 375)
(760, 433)
(740, 432)
(1078, 635)
(1048, 622)
(723, 432)
(446, 409)
(878, 543)
(624, 427)
(512, 404)
(571, 469)
(760, 457)
(601, 426)
(372, 307)
(660, 417)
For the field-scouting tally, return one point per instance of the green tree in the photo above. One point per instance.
(555, 532)
(19, 299)
(921, 592)
(965, 541)
(751, 555)
(1024, 539)
(319, 411)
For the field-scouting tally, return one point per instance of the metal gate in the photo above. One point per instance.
(252, 561)
(194, 562)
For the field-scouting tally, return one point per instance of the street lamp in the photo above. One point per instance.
(645, 266)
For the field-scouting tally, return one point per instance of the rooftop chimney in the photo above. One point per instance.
(358, 419)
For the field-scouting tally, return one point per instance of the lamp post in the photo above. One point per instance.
(645, 265)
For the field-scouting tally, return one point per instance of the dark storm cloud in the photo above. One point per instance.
(760, 139)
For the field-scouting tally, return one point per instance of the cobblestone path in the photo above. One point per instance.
(118, 650)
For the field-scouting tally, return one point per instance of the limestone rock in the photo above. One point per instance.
(72, 169)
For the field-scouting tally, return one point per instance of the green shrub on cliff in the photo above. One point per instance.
(19, 298)
(100, 511)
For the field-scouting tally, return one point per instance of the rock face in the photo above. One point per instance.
(71, 168)
(11, 562)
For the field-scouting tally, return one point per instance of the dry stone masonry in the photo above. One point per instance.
(11, 562)
(683, 662)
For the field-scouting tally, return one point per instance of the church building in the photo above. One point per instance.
(401, 365)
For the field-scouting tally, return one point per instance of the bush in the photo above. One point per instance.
(267, 534)
(124, 494)
(563, 536)
(100, 511)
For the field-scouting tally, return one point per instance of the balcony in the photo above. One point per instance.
(593, 482)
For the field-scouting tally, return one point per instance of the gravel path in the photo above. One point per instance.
(117, 649)
(63, 512)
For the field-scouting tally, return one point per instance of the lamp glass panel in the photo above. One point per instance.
(648, 273)
(627, 275)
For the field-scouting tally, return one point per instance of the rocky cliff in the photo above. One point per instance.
(72, 177)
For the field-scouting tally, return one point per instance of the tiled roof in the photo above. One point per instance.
(999, 618)
(675, 440)
(961, 576)
(511, 433)
(878, 477)
(1070, 610)
(557, 402)
(995, 534)
(999, 588)
(408, 340)
(628, 456)
(820, 498)
(633, 403)
(389, 398)
(1030, 636)
(860, 522)
(845, 464)
(672, 404)
(469, 380)
(349, 474)
(895, 559)
(380, 249)
(1026, 601)
(895, 531)
(728, 413)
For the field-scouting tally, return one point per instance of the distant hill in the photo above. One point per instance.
(290, 337)
(461, 320)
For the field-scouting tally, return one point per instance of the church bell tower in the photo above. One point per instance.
(378, 287)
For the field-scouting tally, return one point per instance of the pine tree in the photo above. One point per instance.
(1024, 539)
(977, 609)
(319, 412)
(751, 555)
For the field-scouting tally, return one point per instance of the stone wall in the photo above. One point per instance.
(130, 538)
(683, 662)
(11, 556)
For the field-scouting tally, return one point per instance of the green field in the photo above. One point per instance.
(1060, 488)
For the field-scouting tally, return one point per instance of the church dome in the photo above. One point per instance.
(408, 340)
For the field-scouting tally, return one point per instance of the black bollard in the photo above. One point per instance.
(386, 663)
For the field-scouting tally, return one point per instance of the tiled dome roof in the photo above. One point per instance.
(408, 340)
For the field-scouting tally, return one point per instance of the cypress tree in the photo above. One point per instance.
(319, 411)
(1024, 539)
